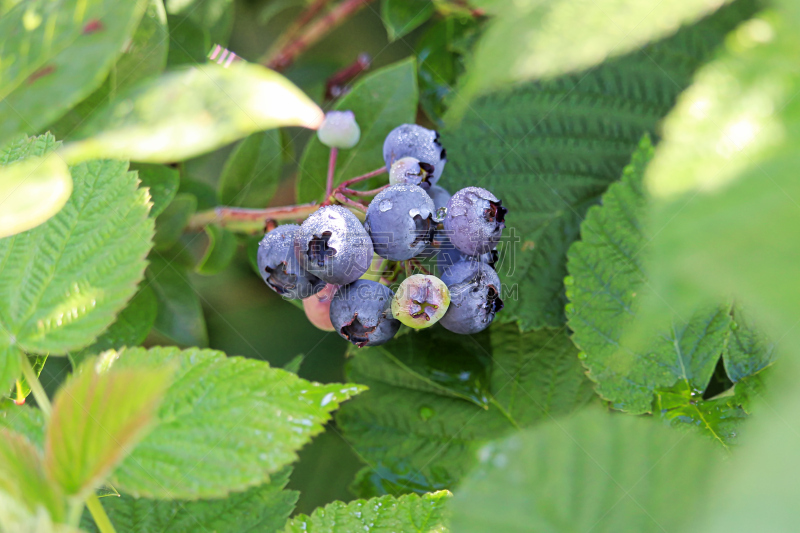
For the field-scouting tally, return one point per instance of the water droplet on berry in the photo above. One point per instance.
(385, 205)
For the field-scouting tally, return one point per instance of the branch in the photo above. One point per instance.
(313, 33)
(335, 85)
(226, 215)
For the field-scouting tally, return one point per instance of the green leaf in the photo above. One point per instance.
(728, 159)
(25, 420)
(180, 315)
(593, 472)
(417, 437)
(214, 15)
(171, 222)
(190, 111)
(550, 149)
(143, 56)
(607, 280)
(748, 350)
(23, 479)
(98, 418)
(536, 39)
(189, 43)
(381, 102)
(34, 183)
(251, 174)
(262, 508)
(403, 16)
(63, 282)
(422, 514)
(294, 364)
(226, 424)
(440, 51)
(55, 56)
(220, 251)
(162, 182)
(130, 329)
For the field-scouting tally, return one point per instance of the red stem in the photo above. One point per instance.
(419, 266)
(334, 87)
(331, 172)
(313, 33)
(372, 192)
(368, 175)
(344, 200)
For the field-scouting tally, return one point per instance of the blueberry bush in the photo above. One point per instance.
(399, 265)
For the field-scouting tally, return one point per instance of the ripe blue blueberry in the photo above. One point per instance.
(401, 222)
(410, 140)
(279, 266)
(449, 260)
(334, 246)
(474, 299)
(475, 220)
(339, 130)
(420, 301)
(361, 313)
(439, 195)
(411, 171)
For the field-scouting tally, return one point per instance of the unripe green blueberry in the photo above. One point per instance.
(420, 301)
(339, 130)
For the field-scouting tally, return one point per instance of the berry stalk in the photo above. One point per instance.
(331, 172)
(224, 216)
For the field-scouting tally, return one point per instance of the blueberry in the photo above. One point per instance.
(339, 129)
(474, 300)
(410, 140)
(279, 266)
(361, 312)
(439, 195)
(411, 171)
(334, 246)
(449, 259)
(420, 301)
(475, 220)
(400, 221)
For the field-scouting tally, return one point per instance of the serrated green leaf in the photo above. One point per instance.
(381, 102)
(536, 39)
(416, 438)
(748, 350)
(162, 182)
(130, 329)
(251, 173)
(226, 424)
(34, 183)
(594, 471)
(180, 314)
(63, 282)
(190, 111)
(97, 419)
(220, 251)
(171, 222)
(550, 149)
(55, 55)
(403, 16)
(725, 175)
(607, 280)
(143, 56)
(440, 51)
(422, 514)
(23, 479)
(435, 360)
(675, 359)
(261, 509)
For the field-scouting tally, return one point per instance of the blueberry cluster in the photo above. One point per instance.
(410, 219)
